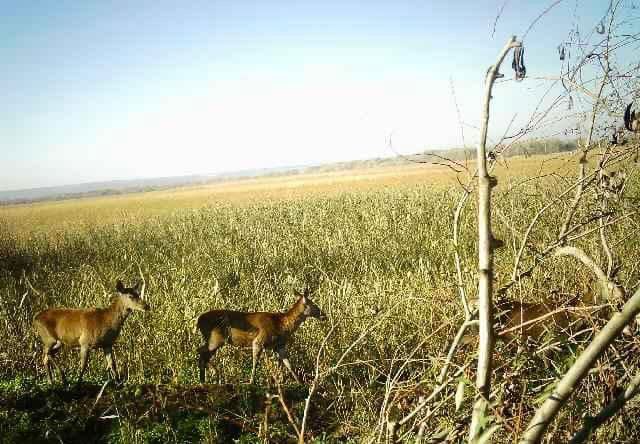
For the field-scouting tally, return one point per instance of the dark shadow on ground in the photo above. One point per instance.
(88, 414)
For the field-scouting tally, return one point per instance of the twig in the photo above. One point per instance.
(314, 383)
(592, 423)
(436, 391)
(550, 314)
(582, 161)
(495, 22)
(542, 14)
(565, 387)
(290, 417)
(534, 220)
(456, 252)
(609, 291)
(453, 347)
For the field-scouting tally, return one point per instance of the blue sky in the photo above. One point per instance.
(113, 90)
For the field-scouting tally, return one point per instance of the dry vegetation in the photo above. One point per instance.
(70, 215)
(375, 245)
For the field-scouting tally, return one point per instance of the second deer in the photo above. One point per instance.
(530, 321)
(258, 330)
(533, 319)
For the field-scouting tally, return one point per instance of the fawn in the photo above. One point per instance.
(531, 320)
(257, 330)
(87, 328)
(534, 319)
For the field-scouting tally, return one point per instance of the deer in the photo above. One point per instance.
(258, 330)
(87, 328)
(532, 320)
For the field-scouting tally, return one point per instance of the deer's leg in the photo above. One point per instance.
(111, 363)
(256, 348)
(283, 356)
(84, 359)
(206, 352)
(53, 350)
(47, 363)
(204, 355)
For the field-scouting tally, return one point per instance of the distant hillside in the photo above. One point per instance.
(137, 185)
(112, 187)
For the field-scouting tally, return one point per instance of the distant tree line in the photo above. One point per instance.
(524, 148)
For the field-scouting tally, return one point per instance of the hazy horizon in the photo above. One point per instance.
(221, 174)
(98, 93)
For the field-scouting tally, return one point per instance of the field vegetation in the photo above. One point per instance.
(374, 246)
(54, 218)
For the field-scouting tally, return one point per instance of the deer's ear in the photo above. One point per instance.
(307, 292)
(120, 286)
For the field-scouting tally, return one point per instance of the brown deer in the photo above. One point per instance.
(534, 319)
(258, 330)
(531, 320)
(87, 328)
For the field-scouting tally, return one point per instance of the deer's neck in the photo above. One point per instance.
(292, 318)
(116, 314)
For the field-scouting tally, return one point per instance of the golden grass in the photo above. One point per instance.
(375, 244)
(60, 216)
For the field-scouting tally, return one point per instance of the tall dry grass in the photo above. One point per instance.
(375, 256)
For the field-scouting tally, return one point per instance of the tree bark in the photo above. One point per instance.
(485, 259)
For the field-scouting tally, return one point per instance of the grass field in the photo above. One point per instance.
(374, 244)
(64, 215)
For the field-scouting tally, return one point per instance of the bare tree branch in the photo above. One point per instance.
(608, 289)
(485, 258)
(565, 387)
(592, 423)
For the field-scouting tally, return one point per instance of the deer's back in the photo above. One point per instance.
(69, 325)
(238, 327)
(519, 313)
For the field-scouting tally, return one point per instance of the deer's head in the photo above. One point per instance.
(311, 310)
(132, 297)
